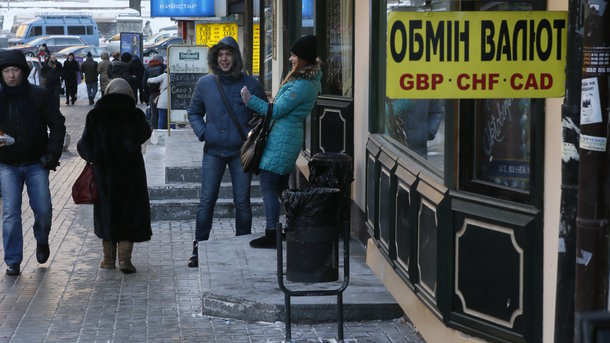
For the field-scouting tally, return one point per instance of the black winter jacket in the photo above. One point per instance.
(89, 69)
(25, 114)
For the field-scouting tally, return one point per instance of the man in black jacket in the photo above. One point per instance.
(27, 154)
(89, 70)
(52, 74)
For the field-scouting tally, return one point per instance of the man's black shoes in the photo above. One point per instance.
(194, 259)
(13, 269)
(42, 252)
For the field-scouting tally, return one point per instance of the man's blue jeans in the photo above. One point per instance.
(272, 185)
(212, 170)
(12, 179)
(91, 90)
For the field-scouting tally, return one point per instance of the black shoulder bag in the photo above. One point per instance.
(252, 150)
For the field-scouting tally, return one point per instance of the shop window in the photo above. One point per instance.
(497, 136)
(269, 48)
(418, 124)
(500, 135)
(339, 61)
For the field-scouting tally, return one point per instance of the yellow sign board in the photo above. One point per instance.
(451, 55)
(210, 34)
(256, 48)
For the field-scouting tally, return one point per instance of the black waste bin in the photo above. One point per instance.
(333, 170)
(312, 234)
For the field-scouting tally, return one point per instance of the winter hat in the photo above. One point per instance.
(14, 58)
(89, 54)
(119, 86)
(126, 57)
(306, 48)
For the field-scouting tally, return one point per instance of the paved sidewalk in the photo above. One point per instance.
(70, 299)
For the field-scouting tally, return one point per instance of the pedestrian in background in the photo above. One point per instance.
(115, 130)
(26, 113)
(212, 124)
(71, 69)
(147, 30)
(89, 70)
(42, 55)
(155, 68)
(293, 103)
(102, 69)
(137, 70)
(52, 74)
(161, 99)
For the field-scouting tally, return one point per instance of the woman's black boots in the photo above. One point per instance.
(265, 242)
(194, 259)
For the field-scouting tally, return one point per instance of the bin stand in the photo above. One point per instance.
(319, 292)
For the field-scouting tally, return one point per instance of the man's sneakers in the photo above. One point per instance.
(13, 269)
(42, 252)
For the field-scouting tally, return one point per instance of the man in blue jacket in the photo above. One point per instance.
(222, 137)
(27, 154)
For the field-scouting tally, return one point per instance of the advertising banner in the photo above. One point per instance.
(186, 65)
(451, 55)
(131, 42)
(182, 8)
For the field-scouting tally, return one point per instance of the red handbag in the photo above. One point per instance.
(84, 190)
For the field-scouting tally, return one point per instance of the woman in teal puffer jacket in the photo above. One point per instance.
(293, 103)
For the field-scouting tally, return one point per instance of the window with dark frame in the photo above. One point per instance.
(497, 135)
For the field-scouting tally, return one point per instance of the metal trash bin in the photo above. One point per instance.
(333, 170)
(312, 235)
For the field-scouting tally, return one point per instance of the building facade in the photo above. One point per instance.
(457, 200)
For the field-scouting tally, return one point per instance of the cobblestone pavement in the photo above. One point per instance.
(70, 299)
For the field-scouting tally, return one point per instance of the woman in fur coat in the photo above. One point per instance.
(293, 103)
(115, 130)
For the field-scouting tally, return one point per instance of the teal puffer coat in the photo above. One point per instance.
(293, 103)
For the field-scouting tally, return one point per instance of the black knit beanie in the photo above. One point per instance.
(306, 48)
(14, 58)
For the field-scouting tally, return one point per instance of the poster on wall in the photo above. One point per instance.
(131, 42)
(186, 65)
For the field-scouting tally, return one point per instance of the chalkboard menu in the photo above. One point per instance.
(186, 65)
(181, 89)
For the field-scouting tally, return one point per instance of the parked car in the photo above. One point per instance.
(160, 36)
(54, 44)
(160, 48)
(80, 52)
(113, 43)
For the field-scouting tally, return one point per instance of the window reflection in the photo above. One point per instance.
(269, 14)
(339, 62)
(418, 124)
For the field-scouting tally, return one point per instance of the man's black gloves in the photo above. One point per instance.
(49, 161)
